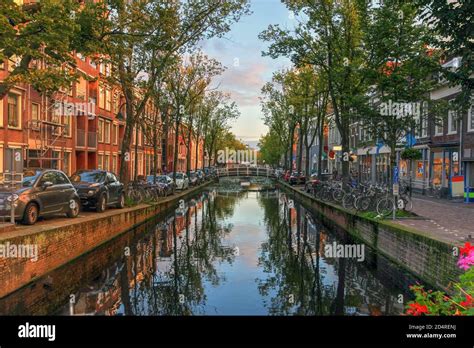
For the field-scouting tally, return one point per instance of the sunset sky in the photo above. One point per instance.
(245, 81)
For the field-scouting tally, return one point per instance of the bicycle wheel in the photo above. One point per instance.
(385, 206)
(338, 195)
(348, 201)
(363, 203)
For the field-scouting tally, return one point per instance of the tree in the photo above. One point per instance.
(399, 72)
(187, 83)
(328, 38)
(38, 41)
(451, 29)
(271, 149)
(143, 39)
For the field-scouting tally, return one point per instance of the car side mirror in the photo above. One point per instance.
(46, 184)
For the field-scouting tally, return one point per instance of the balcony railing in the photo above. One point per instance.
(81, 138)
(92, 140)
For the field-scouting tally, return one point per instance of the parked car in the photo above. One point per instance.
(297, 178)
(165, 182)
(200, 175)
(42, 192)
(193, 179)
(312, 182)
(182, 180)
(99, 189)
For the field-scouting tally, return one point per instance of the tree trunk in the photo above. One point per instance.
(197, 152)
(321, 147)
(135, 172)
(307, 169)
(176, 147)
(300, 149)
(124, 163)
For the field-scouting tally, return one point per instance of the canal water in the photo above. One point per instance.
(223, 253)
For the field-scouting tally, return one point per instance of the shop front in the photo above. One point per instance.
(417, 170)
(445, 170)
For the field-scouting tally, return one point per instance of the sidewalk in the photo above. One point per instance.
(449, 221)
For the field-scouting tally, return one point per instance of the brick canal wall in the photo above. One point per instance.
(59, 244)
(428, 259)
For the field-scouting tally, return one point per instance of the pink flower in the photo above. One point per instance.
(465, 262)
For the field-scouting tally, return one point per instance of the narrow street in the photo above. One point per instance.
(452, 222)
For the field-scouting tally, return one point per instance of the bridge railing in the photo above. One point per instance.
(247, 171)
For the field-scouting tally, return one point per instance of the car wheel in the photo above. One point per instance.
(74, 208)
(121, 201)
(31, 214)
(101, 204)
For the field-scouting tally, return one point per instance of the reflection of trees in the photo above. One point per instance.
(179, 289)
(293, 283)
(293, 261)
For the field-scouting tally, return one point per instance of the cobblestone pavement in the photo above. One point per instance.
(444, 220)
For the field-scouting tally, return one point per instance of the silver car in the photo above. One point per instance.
(42, 192)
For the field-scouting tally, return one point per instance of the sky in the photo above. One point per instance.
(240, 51)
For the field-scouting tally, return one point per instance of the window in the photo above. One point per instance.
(67, 126)
(115, 134)
(14, 111)
(1, 112)
(439, 127)
(101, 130)
(81, 88)
(424, 120)
(101, 97)
(107, 132)
(67, 163)
(100, 164)
(49, 177)
(1, 164)
(61, 178)
(35, 112)
(13, 62)
(81, 57)
(108, 99)
(470, 119)
(35, 115)
(107, 162)
(452, 121)
(114, 163)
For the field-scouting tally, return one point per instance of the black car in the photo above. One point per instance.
(297, 178)
(99, 189)
(164, 181)
(42, 192)
(193, 179)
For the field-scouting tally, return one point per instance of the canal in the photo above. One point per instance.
(223, 253)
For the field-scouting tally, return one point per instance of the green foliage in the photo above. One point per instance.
(411, 154)
(459, 302)
(271, 149)
(46, 32)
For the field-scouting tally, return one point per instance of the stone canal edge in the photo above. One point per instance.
(59, 243)
(432, 261)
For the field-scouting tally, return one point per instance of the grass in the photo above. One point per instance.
(398, 214)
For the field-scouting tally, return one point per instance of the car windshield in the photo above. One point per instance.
(29, 178)
(162, 179)
(88, 177)
(179, 175)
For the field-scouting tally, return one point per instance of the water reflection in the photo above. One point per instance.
(227, 253)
